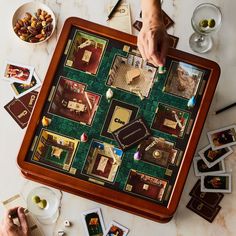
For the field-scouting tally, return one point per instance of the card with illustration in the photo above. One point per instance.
(200, 167)
(212, 157)
(115, 229)
(20, 89)
(223, 137)
(216, 183)
(17, 73)
(93, 222)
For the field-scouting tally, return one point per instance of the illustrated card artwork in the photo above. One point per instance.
(119, 114)
(183, 80)
(131, 134)
(93, 222)
(20, 89)
(158, 151)
(103, 161)
(145, 185)
(201, 168)
(85, 53)
(115, 229)
(203, 210)
(19, 112)
(17, 73)
(55, 150)
(220, 183)
(223, 137)
(170, 120)
(210, 199)
(212, 157)
(72, 101)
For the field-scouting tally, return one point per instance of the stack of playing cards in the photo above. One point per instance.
(210, 167)
(94, 225)
(23, 81)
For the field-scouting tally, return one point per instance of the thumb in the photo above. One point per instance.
(22, 220)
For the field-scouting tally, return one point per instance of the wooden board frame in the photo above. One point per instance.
(95, 192)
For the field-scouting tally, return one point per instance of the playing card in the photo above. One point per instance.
(20, 89)
(17, 72)
(223, 137)
(201, 168)
(173, 41)
(19, 112)
(121, 19)
(212, 157)
(220, 183)
(29, 99)
(17, 201)
(116, 229)
(138, 25)
(93, 222)
(203, 210)
(210, 199)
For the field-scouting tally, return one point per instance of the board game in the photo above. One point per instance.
(113, 128)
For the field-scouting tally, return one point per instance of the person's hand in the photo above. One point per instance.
(8, 228)
(153, 43)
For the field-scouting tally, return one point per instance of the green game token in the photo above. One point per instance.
(211, 23)
(203, 23)
(35, 199)
(42, 204)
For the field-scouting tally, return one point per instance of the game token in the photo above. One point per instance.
(161, 70)
(109, 94)
(46, 121)
(137, 156)
(191, 102)
(84, 137)
(67, 223)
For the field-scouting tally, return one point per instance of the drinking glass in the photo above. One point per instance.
(205, 20)
(50, 213)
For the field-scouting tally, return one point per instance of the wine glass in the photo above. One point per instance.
(205, 20)
(47, 213)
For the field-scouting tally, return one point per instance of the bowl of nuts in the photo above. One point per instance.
(34, 22)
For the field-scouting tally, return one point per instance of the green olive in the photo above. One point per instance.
(35, 199)
(42, 204)
(203, 23)
(211, 23)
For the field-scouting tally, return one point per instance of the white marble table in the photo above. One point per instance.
(184, 222)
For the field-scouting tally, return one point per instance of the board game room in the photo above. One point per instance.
(117, 118)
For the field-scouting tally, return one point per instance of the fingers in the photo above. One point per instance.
(164, 50)
(10, 215)
(22, 219)
(141, 43)
(154, 54)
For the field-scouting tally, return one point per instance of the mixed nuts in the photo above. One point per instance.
(35, 28)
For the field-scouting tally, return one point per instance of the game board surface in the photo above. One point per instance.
(156, 103)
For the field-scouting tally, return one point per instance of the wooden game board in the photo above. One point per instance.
(89, 59)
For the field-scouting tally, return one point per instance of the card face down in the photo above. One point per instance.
(210, 199)
(131, 134)
(203, 210)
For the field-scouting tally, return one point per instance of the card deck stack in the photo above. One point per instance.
(204, 204)
(23, 81)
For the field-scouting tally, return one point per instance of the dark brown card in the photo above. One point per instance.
(211, 199)
(138, 25)
(29, 99)
(202, 209)
(19, 112)
(173, 41)
(131, 134)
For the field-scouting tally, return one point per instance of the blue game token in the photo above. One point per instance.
(191, 102)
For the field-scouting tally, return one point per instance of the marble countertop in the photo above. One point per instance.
(184, 222)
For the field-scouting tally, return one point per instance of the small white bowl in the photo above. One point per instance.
(32, 8)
